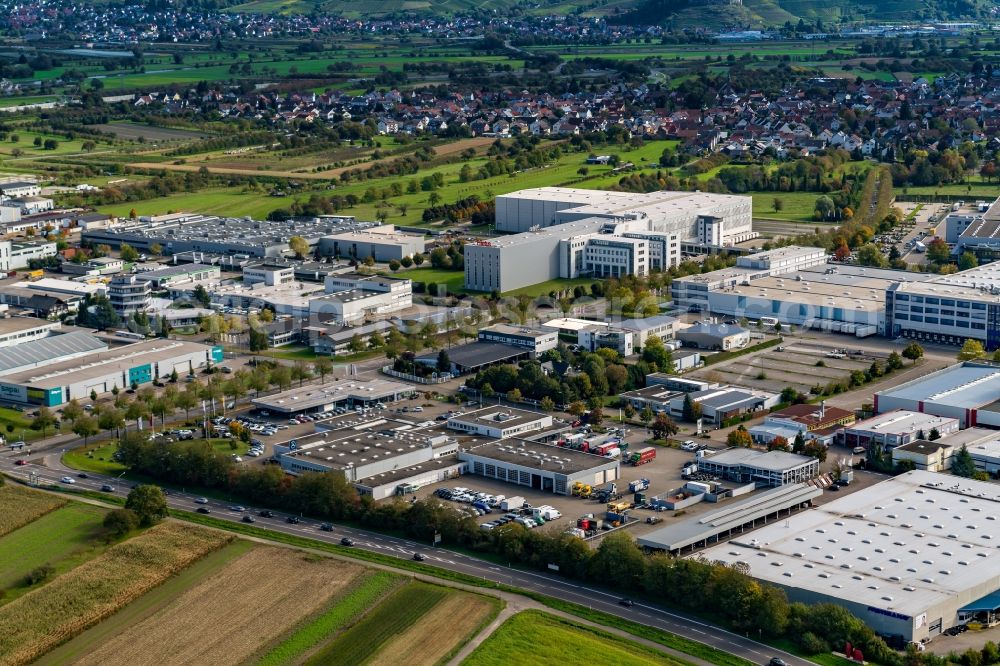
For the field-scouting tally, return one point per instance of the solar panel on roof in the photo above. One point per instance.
(48, 350)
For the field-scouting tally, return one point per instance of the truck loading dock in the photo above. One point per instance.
(539, 466)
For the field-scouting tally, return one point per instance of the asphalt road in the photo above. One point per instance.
(404, 549)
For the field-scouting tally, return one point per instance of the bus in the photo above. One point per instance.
(769, 321)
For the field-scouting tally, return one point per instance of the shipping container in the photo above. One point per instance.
(698, 486)
(512, 503)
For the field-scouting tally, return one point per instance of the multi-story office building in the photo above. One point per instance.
(128, 294)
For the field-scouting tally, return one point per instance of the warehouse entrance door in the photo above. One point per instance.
(547, 485)
(536, 481)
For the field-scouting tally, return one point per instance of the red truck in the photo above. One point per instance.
(643, 456)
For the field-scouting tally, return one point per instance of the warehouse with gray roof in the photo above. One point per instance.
(911, 556)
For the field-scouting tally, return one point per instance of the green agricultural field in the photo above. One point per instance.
(62, 539)
(539, 638)
(393, 616)
(563, 171)
(345, 609)
(219, 201)
(7, 102)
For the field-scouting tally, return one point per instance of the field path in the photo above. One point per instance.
(331, 174)
(232, 615)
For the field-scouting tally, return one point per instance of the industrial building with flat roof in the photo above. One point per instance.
(499, 422)
(766, 468)
(796, 285)
(326, 396)
(474, 356)
(378, 456)
(968, 392)
(100, 372)
(534, 340)
(891, 429)
(538, 466)
(382, 243)
(193, 232)
(16, 330)
(909, 556)
(947, 309)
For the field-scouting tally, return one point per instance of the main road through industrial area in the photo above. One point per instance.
(52, 471)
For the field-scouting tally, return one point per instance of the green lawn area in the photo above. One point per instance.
(62, 539)
(99, 458)
(16, 425)
(979, 189)
(217, 201)
(292, 353)
(539, 638)
(455, 280)
(796, 206)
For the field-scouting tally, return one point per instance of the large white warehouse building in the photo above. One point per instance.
(911, 556)
(568, 233)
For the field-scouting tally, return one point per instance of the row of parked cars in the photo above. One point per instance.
(483, 502)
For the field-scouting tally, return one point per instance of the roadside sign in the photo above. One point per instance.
(437, 538)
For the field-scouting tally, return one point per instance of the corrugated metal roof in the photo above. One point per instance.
(48, 349)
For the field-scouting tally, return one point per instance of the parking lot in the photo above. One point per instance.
(799, 365)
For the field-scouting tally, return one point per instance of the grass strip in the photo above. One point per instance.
(341, 614)
(391, 617)
(537, 637)
(63, 538)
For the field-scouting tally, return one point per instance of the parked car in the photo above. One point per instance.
(21, 462)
